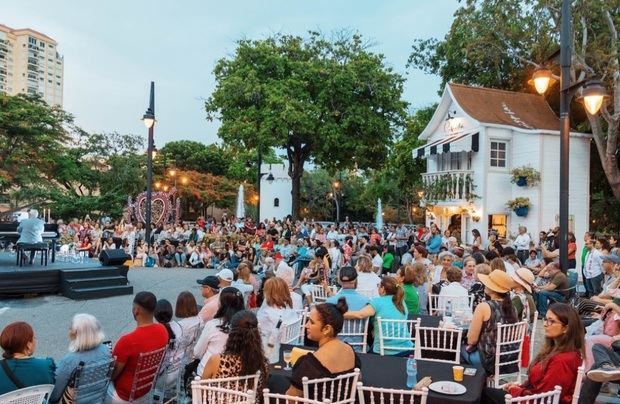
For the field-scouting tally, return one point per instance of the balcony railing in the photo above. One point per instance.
(449, 186)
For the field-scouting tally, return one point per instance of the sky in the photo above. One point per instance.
(113, 49)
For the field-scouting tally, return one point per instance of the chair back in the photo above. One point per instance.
(319, 295)
(355, 333)
(291, 332)
(92, 380)
(533, 335)
(441, 304)
(340, 389)
(577, 391)
(168, 382)
(550, 397)
(394, 331)
(382, 395)
(240, 383)
(146, 372)
(430, 340)
(508, 352)
(28, 395)
(202, 394)
(274, 398)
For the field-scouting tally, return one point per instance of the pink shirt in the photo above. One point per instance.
(209, 309)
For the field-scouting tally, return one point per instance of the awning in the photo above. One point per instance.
(456, 143)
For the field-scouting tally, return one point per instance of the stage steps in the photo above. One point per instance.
(94, 283)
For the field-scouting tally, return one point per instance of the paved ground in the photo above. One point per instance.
(51, 315)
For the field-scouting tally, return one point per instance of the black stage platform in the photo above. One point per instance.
(76, 280)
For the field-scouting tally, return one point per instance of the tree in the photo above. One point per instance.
(498, 44)
(330, 102)
(31, 133)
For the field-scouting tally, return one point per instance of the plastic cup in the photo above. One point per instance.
(457, 372)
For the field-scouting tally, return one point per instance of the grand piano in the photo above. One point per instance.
(8, 233)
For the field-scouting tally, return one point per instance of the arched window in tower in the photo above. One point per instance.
(276, 202)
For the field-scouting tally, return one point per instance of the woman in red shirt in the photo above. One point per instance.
(556, 363)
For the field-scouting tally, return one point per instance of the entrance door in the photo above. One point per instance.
(455, 226)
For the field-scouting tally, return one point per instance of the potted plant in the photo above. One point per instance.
(519, 205)
(525, 175)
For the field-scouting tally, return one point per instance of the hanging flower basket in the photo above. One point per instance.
(522, 212)
(524, 176)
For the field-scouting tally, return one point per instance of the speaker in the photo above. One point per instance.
(113, 257)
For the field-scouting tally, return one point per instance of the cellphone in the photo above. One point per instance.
(470, 372)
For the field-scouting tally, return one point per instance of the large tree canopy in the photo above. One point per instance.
(498, 43)
(328, 101)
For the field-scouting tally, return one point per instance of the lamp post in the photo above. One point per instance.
(593, 95)
(149, 122)
(336, 185)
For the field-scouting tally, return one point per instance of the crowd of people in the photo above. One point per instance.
(266, 275)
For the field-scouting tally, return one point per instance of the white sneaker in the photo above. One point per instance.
(605, 373)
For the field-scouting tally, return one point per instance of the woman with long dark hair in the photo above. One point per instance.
(215, 332)
(390, 305)
(557, 361)
(334, 357)
(482, 335)
(243, 354)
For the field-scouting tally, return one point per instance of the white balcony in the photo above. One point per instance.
(449, 187)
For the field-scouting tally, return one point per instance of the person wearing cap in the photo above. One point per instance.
(226, 278)
(522, 298)
(553, 291)
(283, 270)
(209, 288)
(482, 334)
(347, 278)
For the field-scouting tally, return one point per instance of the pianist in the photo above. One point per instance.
(31, 230)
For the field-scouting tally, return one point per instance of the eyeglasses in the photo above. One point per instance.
(550, 321)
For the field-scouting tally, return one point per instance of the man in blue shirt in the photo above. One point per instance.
(347, 277)
(31, 230)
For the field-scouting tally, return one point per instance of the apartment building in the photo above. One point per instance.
(30, 63)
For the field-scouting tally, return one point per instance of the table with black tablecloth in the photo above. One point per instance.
(390, 372)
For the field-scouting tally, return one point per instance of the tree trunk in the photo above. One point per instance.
(297, 156)
(607, 147)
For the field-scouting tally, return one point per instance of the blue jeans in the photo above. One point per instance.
(542, 300)
(470, 358)
(602, 355)
(594, 286)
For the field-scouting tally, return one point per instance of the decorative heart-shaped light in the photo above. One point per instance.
(160, 207)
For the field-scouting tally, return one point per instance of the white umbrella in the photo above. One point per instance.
(379, 218)
(240, 203)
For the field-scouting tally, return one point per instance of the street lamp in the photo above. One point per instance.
(595, 93)
(184, 180)
(149, 122)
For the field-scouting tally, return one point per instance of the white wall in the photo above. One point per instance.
(280, 188)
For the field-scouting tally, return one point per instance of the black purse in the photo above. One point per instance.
(11, 375)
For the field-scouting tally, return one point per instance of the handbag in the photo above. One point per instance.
(11, 375)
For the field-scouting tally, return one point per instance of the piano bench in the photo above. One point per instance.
(23, 247)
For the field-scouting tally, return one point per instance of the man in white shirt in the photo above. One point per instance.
(283, 270)
(593, 270)
(522, 244)
(332, 234)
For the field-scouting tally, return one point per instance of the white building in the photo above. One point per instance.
(475, 138)
(276, 198)
(30, 64)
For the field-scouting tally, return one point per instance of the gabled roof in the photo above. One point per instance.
(488, 106)
(522, 110)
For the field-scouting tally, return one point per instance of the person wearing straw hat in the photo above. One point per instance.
(522, 298)
(482, 335)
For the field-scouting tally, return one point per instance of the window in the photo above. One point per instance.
(32, 40)
(276, 202)
(498, 154)
(455, 161)
(497, 223)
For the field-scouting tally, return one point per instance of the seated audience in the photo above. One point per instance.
(209, 287)
(243, 353)
(85, 345)
(277, 309)
(469, 272)
(555, 364)
(19, 344)
(389, 306)
(482, 334)
(163, 315)
(606, 368)
(334, 357)
(367, 279)
(553, 291)
(147, 337)
(522, 298)
(422, 285)
(215, 332)
(186, 311)
(405, 276)
(477, 289)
